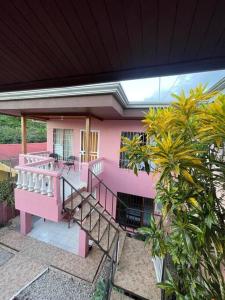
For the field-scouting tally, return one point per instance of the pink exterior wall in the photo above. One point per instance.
(38, 205)
(117, 179)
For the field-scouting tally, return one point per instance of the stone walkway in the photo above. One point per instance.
(135, 272)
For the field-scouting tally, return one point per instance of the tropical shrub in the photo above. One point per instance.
(187, 149)
(7, 192)
(100, 291)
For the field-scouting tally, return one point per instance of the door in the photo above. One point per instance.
(63, 142)
(94, 145)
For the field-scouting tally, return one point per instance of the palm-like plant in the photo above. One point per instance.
(186, 150)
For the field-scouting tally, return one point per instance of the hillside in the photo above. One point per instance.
(10, 130)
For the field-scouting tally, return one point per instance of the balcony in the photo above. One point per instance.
(39, 188)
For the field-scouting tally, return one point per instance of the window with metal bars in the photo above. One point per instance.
(124, 161)
(134, 211)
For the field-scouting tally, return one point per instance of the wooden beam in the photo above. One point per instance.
(87, 138)
(24, 134)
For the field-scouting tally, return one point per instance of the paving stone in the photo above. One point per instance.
(4, 256)
(135, 272)
(18, 272)
(85, 268)
(117, 295)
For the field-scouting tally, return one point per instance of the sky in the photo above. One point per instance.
(158, 89)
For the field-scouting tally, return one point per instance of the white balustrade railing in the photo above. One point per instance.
(36, 180)
(97, 166)
(40, 153)
(30, 158)
(36, 175)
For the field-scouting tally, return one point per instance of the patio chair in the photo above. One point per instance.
(56, 159)
(70, 162)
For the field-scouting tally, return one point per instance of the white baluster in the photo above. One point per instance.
(24, 180)
(51, 166)
(36, 183)
(30, 182)
(19, 180)
(43, 185)
(49, 190)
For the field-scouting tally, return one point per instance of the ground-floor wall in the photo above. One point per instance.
(123, 181)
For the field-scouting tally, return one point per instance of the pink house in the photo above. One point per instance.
(84, 128)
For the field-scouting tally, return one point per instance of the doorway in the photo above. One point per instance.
(136, 210)
(94, 145)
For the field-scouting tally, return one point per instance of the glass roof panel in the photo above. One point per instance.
(158, 90)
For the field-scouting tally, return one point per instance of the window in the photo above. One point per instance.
(136, 210)
(123, 159)
(63, 142)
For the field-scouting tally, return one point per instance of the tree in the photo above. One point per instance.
(187, 149)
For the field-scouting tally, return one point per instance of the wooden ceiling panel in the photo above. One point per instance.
(149, 14)
(199, 30)
(68, 41)
(72, 42)
(167, 14)
(38, 37)
(69, 12)
(89, 23)
(43, 14)
(106, 33)
(133, 19)
(119, 27)
(182, 28)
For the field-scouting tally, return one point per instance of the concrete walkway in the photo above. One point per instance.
(23, 259)
(84, 268)
(135, 273)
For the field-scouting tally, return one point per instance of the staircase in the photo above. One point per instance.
(131, 270)
(83, 208)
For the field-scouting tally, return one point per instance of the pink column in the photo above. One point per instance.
(25, 222)
(83, 243)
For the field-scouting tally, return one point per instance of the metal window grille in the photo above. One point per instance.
(124, 161)
(137, 211)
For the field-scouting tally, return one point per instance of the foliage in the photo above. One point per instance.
(10, 132)
(7, 192)
(187, 149)
(100, 290)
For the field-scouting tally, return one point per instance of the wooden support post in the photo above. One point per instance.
(87, 139)
(24, 134)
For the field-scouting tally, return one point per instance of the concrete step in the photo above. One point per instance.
(99, 229)
(108, 238)
(135, 273)
(91, 219)
(85, 209)
(75, 200)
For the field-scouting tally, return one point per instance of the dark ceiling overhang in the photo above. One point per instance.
(72, 42)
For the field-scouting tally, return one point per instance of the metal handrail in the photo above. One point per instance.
(101, 181)
(92, 207)
(123, 226)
